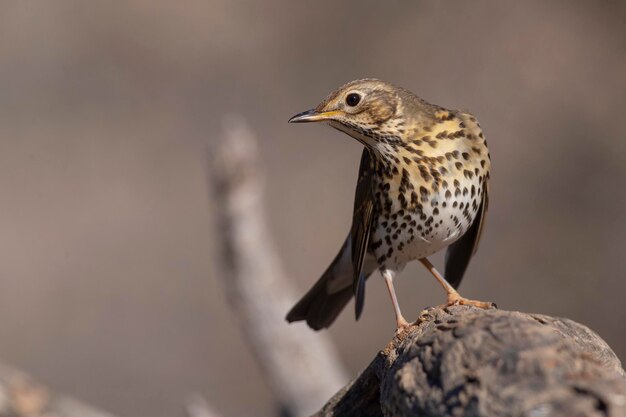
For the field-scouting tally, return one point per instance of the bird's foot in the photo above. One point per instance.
(455, 299)
(401, 325)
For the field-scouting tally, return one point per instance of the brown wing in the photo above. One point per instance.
(361, 227)
(460, 252)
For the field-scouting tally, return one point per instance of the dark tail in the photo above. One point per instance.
(318, 307)
(330, 294)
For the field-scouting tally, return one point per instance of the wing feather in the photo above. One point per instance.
(361, 228)
(460, 252)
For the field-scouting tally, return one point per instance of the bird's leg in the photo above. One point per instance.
(401, 323)
(454, 298)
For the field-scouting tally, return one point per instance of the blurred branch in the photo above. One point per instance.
(21, 396)
(197, 406)
(463, 361)
(302, 367)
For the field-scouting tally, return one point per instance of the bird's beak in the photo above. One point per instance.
(313, 116)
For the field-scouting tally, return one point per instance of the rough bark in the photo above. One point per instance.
(22, 396)
(462, 361)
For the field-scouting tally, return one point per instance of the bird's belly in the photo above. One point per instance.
(402, 235)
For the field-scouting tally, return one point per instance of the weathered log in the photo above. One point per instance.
(462, 361)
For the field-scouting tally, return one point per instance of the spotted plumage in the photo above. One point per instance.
(422, 186)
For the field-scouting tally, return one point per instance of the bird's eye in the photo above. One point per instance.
(353, 99)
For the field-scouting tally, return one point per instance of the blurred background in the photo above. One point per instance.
(108, 286)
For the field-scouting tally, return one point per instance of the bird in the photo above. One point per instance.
(422, 186)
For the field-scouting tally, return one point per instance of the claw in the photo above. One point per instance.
(455, 300)
(402, 325)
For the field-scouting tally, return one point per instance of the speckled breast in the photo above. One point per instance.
(423, 207)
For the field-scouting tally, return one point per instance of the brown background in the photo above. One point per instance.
(107, 283)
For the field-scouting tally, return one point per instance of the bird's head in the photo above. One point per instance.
(369, 110)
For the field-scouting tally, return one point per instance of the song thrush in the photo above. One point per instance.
(422, 186)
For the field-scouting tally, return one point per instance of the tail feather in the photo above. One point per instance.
(321, 305)
(318, 307)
